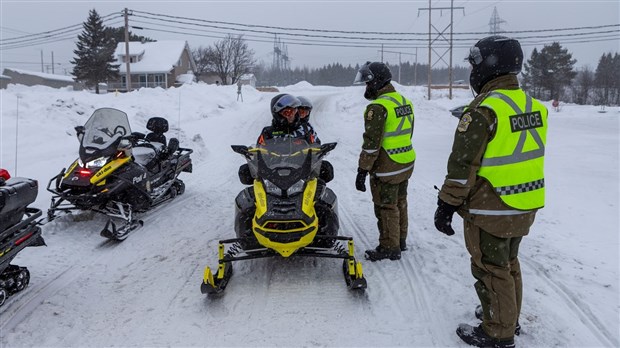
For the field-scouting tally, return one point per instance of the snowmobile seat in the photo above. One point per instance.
(15, 195)
(158, 126)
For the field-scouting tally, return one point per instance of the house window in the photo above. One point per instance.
(143, 81)
(159, 80)
(124, 81)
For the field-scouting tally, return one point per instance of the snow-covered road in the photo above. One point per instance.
(86, 291)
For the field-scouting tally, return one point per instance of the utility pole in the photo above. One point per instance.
(52, 62)
(42, 70)
(400, 62)
(440, 34)
(127, 57)
(415, 68)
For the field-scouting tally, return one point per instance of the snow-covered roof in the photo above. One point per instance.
(43, 75)
(246, 77)
(155, 57)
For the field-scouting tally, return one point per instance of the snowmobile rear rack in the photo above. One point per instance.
(352, 269)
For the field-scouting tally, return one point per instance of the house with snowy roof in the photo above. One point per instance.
(34, 78)
(153, 64)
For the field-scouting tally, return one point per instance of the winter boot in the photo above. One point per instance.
(478, 313)
(475, 336)
(403, 244)
(380, 253)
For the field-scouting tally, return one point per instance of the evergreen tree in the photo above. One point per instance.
(95, 54)
(118, 35)
(546, 74)
(606, 79)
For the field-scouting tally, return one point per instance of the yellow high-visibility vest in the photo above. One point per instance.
(398, 127)
(514, 160)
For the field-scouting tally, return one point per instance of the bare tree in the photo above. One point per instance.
(229, 58)
(200, 58)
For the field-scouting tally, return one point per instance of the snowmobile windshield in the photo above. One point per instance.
(103, 132)
(287, 161)
(104, 127)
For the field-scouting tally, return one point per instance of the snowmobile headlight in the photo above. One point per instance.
(97, 163)
(297, 187)
(272, 188)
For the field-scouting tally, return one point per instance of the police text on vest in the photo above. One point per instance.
(403, 110)
(526, 121)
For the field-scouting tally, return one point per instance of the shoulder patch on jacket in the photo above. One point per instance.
(464, 122)
(369, 115)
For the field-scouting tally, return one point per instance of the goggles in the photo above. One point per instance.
(303, 111)
(288, 112)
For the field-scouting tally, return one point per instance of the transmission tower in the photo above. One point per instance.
(280, 55)
(494, 22)
(440, 35)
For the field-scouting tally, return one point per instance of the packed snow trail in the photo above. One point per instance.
(145, 291)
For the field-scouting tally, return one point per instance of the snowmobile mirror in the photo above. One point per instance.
(327, 147)
(242, 150)
(458, 111)
(79, 130)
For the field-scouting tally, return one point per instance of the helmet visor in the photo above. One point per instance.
(475, 56)
(286, 101)
(364, 75)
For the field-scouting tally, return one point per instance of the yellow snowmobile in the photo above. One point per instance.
(288, 210)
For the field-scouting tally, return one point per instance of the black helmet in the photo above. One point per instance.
(491, 57)
(305, 104)
(281, 102)
(376, 75)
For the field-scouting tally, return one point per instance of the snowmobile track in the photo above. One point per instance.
(581, 310)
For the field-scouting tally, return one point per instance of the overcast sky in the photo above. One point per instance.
(23, 17)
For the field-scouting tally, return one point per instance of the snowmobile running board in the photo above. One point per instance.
(352, 269)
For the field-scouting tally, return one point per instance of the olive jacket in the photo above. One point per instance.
(462, 186)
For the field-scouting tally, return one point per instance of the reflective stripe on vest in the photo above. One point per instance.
(398, 127)
(513, 161)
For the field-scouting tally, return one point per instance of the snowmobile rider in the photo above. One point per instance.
(388, 156)
(285, 120)
(496, 182)
(304, 110)
(286, 123)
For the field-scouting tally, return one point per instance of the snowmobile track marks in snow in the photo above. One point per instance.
(581, 310)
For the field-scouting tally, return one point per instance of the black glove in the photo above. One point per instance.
(443, 217)
(360, 180)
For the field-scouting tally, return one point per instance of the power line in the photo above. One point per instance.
(345, 31)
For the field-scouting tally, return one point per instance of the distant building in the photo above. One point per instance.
(153, 64)
(33, 78)
(213, 79)
(248, 79)
(4, 81)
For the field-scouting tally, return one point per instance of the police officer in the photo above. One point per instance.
(496, 183)
(388, 156)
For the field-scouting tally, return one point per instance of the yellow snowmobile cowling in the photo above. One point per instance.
(278, 235)
(108, 169)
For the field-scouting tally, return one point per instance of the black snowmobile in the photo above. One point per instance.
(18, 229)
(287, 211)
(120, 173)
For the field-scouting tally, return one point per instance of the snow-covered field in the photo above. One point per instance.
(86, 291)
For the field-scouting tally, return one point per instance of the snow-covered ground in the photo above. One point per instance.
(86, 291)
